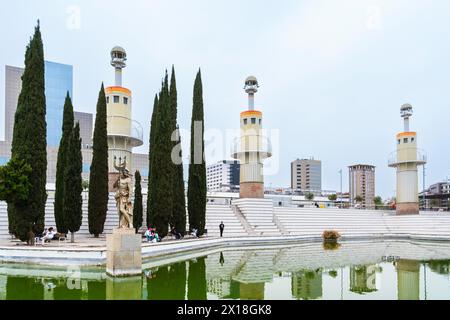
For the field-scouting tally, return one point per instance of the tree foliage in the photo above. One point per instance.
(61, 163)
(137, 206)
(29, 143)
(73, 188)
(178, 217)
(197, 167)
(98, 188)
(14, 183)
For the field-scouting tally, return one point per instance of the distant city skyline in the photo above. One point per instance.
(333, 75)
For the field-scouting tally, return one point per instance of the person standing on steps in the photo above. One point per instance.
(221, 227)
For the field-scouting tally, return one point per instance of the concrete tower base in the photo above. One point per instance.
(251, 190)
(407, 208)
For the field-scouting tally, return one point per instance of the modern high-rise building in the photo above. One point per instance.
(306, 175)
(86, 128)
(362, 184)
(58, 80)
(223, 176)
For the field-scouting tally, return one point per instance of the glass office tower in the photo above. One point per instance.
(58, 80)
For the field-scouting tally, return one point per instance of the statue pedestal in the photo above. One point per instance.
(123, 258)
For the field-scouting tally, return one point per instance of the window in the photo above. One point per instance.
(116, 99)
(399, 141)
(253, 120)
(107, 99)
(245, 121)
(405, 140)
(412, 139)
(260, 121)
(125, 100)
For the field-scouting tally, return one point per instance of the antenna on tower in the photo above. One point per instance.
(406, 111)
(118, 61)
(251, 87)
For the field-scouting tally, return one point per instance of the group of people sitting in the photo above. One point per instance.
(48, 235)
(152, 236)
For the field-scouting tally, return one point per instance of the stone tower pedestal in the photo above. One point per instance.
(123, 253)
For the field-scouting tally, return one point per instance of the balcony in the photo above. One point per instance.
(251, 144)
(122, 127)
(417, 156)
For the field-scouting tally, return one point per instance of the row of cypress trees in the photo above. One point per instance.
(68, 193)
(166, 204)
(166, 194)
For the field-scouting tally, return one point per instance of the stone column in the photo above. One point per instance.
(123, 253)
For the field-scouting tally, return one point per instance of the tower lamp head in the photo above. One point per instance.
(118, 61)
(251, 87)
(406, 111)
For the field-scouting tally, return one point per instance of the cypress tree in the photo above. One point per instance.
(61, 163)
(29, 141)
(98, 178)
(151, 164)
(197, 167)
(137, 207)
(163, 193)
(73, 188)
(178, 219)
(179, 196)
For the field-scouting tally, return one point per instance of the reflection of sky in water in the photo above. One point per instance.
(357, 270)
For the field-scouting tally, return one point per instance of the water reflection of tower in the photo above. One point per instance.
(408, 279)
(123, 133)
(363, 279)
(307, 284)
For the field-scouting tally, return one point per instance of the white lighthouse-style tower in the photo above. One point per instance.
(123, 133)
(251, 148)
(406, 159)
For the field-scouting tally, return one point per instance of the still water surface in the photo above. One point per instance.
(356, 270)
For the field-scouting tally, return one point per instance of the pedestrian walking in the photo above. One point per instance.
(221, 227)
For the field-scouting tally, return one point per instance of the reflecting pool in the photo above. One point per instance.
(354, 270)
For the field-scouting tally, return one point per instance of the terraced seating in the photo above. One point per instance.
(259, 213)
(217, 213)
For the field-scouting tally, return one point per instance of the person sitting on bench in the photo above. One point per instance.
(48, 236)
(175, 233)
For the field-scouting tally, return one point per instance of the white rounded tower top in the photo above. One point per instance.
(251, 85)
(118, 57)
(406, 110)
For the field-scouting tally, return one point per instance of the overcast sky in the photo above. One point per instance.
(333, 74)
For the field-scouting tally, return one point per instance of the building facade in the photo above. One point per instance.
(58, 81)
(436, 197)
(306, 175)
(223, 176)
(362, 184)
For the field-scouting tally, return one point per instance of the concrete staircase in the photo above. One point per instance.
(312, 222)
(259, 214)
(360, 223)
(112, 219)
(215, 214)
